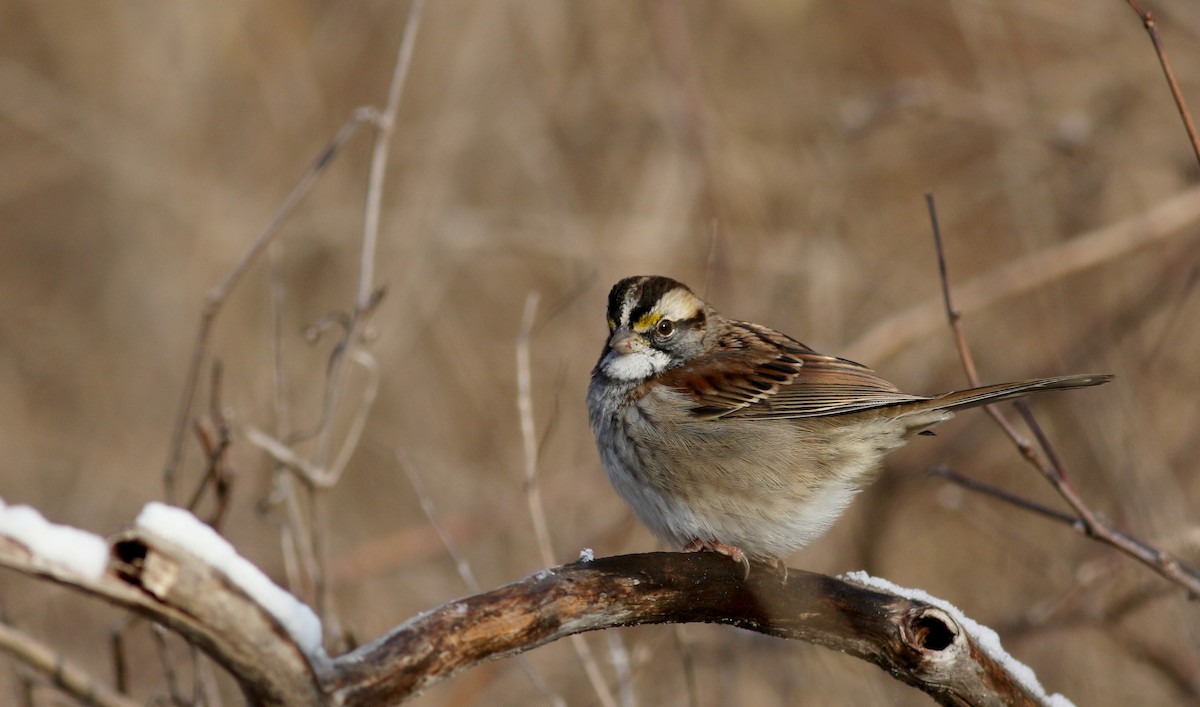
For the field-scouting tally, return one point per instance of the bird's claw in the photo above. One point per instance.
(733, 552)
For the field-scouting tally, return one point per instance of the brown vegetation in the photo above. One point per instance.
(773, 155)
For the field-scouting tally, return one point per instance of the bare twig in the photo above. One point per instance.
(618, 655)
(367, 295)
(116, 642)
(215, 439)
(204, 679)
(1151, 26)
(299, 558)
(683, 645)
(1049, 465)
(1167, 219)
(159, 634)
(533, 493)
(312, 474)
(1092, 526)
(284, 455)
(59, 671)
(461, 564)
(1161, 51)
(365, 301)
(217, 296)
(952, 314)
(945, 472)
(379, 156)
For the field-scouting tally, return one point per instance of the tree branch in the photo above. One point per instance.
(64, 674)
(923, 643)
(915, 642)
(1048, 464)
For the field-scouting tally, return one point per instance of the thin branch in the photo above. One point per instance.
(618, 656)
(365, 301)
(217, 296)
(215, 439)
(57, 670)
(1161, 51)
(204, 679)
(312, 474)
(462, 565)
(1168, 219)
(683, 646)
(952, 314)
(116, 642)
(1096, 528)
(161, 652)
(367, 295)
(944, 472)
(358, 423)
(379, 156)
(284, 455)
(1049, 464)
(299, 558)
(533, 493)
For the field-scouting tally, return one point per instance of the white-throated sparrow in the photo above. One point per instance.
(730, 436)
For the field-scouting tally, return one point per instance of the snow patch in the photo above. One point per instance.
(81, 552)
(181, 528)
(984, 637)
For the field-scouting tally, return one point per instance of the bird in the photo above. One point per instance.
(730, 436)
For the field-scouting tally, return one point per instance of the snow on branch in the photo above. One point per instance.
(179, 573)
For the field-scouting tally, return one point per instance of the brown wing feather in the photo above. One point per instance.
(785, 379)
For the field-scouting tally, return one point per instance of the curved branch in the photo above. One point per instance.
(915, 638)
(173, 587)
(914, 641)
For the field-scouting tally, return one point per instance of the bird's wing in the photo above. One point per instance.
(744, 379)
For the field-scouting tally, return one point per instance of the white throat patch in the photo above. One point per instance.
(634, 366)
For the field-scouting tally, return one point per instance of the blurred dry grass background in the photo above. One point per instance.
(772, 154)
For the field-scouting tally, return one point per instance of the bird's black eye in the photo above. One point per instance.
(665, 327)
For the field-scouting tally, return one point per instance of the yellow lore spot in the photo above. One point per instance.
(647, 321)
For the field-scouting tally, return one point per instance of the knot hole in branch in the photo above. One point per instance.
(129, 557)
(932, 630)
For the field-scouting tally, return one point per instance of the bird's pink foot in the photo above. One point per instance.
(731, 551)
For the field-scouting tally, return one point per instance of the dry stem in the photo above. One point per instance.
(1161, 51)
(1167, 219)
(533, 493)
(56, 669)
(1048, 463)
(463, 566)
(215, 299)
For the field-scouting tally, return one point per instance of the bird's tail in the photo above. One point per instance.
(984, 395)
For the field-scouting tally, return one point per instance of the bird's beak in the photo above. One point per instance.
(626, 341)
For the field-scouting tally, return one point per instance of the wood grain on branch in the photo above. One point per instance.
(916, 642)
(173, 587)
